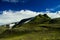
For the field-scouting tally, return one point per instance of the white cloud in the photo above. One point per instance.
(15, 16)
(52, 14)
(50, 9)
(11, 1)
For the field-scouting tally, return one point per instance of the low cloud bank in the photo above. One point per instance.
(15, 16)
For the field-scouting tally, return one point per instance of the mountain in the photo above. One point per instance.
(39, 19)
(40, 27)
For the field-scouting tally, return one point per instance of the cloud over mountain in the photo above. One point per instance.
(15, 16)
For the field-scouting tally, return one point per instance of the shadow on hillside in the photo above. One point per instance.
(12, 33)
(51, 28)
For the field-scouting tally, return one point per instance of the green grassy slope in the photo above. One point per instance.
(54, 21)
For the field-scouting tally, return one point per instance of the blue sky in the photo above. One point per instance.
(34, 5)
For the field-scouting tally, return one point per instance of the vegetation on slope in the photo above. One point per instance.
(55, 21)
(39, 28)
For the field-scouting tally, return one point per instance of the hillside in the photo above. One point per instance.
(39, 19)
(42, 21)
(39, 28)
(55, 21)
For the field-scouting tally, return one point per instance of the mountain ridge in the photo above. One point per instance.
(40, 27)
